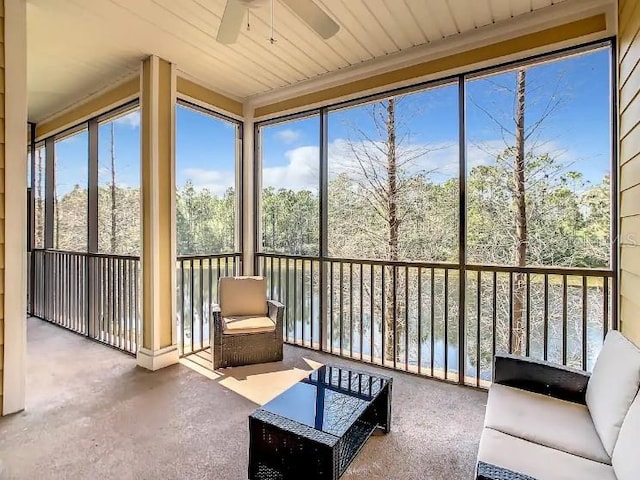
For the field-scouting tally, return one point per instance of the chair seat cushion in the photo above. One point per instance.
(247, 324)
(613, 386)
(548, 421)
(538, 461)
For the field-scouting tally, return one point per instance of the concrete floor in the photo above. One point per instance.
(92, 414)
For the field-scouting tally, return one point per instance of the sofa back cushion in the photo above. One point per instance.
(613, 387)
(626, 455)
(242, 296)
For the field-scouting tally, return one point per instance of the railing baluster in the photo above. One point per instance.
(446, 323)
(564, 319)
(528, 326)
(383, 315)
(605, 313)
(113, 302)
(271, 275)
(212, 301)
(584, 323)
(192, 306)
(133, 267)
(546, 318)
(361, 312)
(120, 264)
(371, 312)
(494, 318)
(479, 317)
(351, 310)
(129, 303)
(511, 312)
(183, 320)
(103, 298)
(287, 298)
(331, 305)
(394, 296)
(58, 290)
(433, 319)
(341, 297)
(280, 298)
(311, 306)
(295, 299)
(113, 289)
(201, 292)
(137, 303)
(107, 300)
(406, 318)
(419, 333)
(303, 281)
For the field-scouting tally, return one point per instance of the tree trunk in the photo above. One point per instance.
(114, 219)
(521, 216)
(392, 340)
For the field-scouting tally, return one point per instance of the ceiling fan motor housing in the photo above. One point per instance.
(308, 11)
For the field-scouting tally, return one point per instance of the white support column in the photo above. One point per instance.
(14, 186)
(248, 205)
(157, 104)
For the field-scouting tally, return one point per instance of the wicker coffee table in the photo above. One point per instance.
(315, 429)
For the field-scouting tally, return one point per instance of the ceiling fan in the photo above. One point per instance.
(307, 10)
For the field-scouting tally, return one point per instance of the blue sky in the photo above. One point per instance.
(577, 132)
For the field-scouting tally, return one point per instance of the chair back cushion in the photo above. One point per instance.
(613, 387)
(626, 455)
(242, 296)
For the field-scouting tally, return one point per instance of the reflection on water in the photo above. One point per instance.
(426, 311)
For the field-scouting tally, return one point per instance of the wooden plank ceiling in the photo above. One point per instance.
(76, 47)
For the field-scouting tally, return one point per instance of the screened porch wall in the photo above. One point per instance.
(448, 315)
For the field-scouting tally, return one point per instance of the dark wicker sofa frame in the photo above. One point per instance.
(247, 348)
(535, 376)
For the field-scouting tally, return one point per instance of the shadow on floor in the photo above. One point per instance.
(92, 414)
(257, 383)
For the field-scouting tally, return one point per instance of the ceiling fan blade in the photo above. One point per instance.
(231, 22)
(314, 16)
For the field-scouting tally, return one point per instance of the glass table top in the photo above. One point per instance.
(330, 399)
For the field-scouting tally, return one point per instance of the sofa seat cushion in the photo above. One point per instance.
(613, 386)
(626, 455)
(554, 423)
(247, 324)
(538, 461)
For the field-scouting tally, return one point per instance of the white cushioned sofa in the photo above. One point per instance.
(547, 422)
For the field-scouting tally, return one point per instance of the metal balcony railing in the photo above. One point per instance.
(95, 295)
(433, 319)
(197, 290)
(408, 315)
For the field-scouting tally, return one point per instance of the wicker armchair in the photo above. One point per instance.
(247, 328)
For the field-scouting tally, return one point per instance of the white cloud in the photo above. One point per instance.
(217, 181)
(439, 162)
(483, 153)
(301, 171)
(131, 120)
(288, 135)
